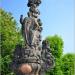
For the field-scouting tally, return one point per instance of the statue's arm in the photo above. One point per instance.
(21, 19)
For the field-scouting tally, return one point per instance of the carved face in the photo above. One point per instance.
(28, 22)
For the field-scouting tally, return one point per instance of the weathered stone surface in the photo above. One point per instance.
(25, 68)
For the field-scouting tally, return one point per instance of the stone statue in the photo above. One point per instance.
(27, 29)
(31, 2)
(30, 30)
(47, 56)
(33, 58)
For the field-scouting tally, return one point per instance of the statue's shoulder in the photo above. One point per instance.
(27, 18)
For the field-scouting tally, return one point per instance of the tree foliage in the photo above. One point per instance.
(56, 45)
(68, 61)
(64, 64)
(9, 38)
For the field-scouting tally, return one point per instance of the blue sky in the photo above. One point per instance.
(57, 17)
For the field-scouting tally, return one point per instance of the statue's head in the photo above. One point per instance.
(27, 21)
(31, 2)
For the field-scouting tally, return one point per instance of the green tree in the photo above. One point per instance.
(56, 45)
(10, 36)
(68, 61)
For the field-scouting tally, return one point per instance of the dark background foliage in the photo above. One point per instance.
(10, 36)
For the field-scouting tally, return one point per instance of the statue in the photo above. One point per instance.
(33, 58)
(47, 56)
(27, 29)
(31, 2)
(30, 30)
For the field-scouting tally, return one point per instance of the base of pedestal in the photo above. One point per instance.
(28, 61)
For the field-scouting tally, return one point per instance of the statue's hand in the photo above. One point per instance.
(21, 19)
